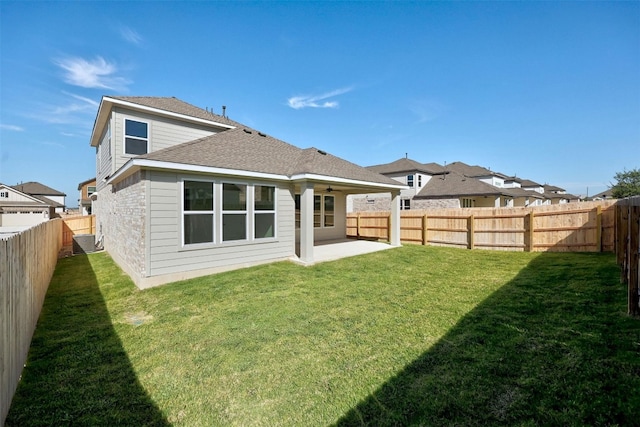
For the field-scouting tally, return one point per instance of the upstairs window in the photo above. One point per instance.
(90, 190)
(4, 194)
(410, 181)
(419, 181)
(136, 140)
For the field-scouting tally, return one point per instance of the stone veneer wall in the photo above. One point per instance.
(383, 203)
(434, 203)
(371, 203)
(121, 218)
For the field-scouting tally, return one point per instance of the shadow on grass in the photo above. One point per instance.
(77, 371)
(552, 347)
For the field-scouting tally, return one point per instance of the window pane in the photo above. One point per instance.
(198, 228)
(264, 225)
(329, 202)
(198, 196)
(317, 211)
(234, 227)
(133, 128)
(234, 197)
(264, 198)
(135, 146)
(297, 214)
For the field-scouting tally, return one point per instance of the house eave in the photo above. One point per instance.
(108, 103)
(346, 181)
(136, 164)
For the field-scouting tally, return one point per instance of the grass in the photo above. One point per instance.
(409, 336)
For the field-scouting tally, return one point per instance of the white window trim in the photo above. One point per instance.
(183, 213)
(248, 202)
(261, 211)
(124, 135)
(322, 212)
(218, 214)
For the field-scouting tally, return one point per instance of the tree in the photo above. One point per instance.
(628, 184)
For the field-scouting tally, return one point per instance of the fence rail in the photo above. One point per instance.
(27, 262)
(584, 227)
(627, 244)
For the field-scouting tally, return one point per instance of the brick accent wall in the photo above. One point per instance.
(435, 203)
(371, 203)
(121, 218)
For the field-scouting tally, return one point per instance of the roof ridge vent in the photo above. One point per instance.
(324, 153)
(247, 131)
(262, 134)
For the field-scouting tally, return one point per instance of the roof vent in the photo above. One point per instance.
(247, 131)
(262, 134)
(224, 111)
(324, 153)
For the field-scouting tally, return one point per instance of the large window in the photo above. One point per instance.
(323, 211)
(198, 212)
(136, 140)
(234, 212)
(264, 211)
(410, 181)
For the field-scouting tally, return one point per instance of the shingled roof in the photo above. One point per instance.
(175, 105)
(455, 184)
(35, 188)
(472, 171)
(245, 149)
(407, 165)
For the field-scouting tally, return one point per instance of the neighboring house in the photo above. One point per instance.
(453, 186)
(19, 211)
(47, 194)
(86, 188)
(182, 192)
(605, 195)
(559, 195)
(406, 171)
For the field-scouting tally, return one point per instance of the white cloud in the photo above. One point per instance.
(74, 109)
(130, 35)
(314, 101)
(96, 73)
(11, 127)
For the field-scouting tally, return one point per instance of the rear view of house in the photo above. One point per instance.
(182, 192)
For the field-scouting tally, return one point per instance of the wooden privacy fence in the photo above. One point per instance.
(77, 225)
(628, 249)
(27, 262)
(577, 227)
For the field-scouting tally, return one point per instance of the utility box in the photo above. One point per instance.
(84, 243)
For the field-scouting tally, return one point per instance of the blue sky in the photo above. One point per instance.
(548, 91)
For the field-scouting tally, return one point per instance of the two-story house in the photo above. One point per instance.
(86, 189)
(182, 192)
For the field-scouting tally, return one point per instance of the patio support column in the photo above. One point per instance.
(306, 222)
(394, 238)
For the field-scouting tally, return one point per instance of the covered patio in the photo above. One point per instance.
(331, 250)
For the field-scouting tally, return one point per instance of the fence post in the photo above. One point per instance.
(530, 234)
(389, 230)
(471, 228)
(424, 230)
(358, 225)
(599, 228)
(634, 257)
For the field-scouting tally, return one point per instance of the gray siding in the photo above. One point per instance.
(104, 160)
(166, 254)
(162, 132)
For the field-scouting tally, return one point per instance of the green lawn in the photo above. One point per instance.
(409, 336)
